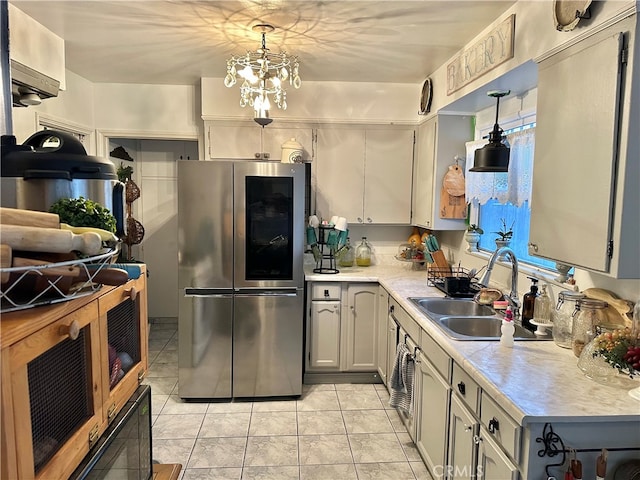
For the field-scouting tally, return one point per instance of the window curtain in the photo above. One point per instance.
(513, 186)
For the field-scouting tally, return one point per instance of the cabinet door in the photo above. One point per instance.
(492, 462)
(381, 327)
(392, 343)
(575, 154)
(233, 142)
(340, 173)
(432, 432)
(324, 345)
(462, 448)
(388, 173)
(361, 327)
(422, 201)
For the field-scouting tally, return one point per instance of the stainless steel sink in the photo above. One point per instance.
(452, 306)
(480, 328)
(467, 320)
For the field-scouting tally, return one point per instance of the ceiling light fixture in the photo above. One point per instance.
(494, 156)
(263, 73)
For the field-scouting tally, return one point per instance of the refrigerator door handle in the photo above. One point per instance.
(207, 292)
(283, 292)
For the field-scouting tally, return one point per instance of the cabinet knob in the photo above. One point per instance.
(392, 308)
(359, 219)
(462, 388)
(131, 292)
(494, 425)
(477, 439)
(369, 220)
(72, 330)
(533, 246)
(467, 428)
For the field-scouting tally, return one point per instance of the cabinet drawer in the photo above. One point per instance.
(408, 324)
(325, 291)
(466, 387)
(501, 426)
(437, 356)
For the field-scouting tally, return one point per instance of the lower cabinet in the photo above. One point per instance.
(342, 328)
(492, 461)
(463, 428)
(432, 430)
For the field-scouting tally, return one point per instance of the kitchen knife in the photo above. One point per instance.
(28, 218)
(35, 239)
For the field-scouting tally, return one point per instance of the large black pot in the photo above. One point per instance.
(51, 165)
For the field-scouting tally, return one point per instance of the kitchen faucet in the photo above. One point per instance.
(513, 295)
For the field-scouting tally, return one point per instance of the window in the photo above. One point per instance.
(502, 199)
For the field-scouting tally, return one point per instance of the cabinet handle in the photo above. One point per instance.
(462, 388)
(369, 220)
(359, 220)
(73, 330)
(392, 308)
(494, 425)
(131, 292)
(534, 246)
(477, 439)
(111, 412)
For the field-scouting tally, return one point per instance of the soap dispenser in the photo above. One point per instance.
(507, 329)
(528, 304)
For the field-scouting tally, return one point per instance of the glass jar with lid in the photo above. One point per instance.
(590, 314)
(562, 317)
(363, 253)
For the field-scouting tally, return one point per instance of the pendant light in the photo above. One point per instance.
(494, 156)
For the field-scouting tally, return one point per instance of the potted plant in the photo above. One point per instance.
(472, 236)
(504, 234)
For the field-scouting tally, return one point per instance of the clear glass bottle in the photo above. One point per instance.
(363, 253)
(542, 307)
(562, 317)
(346, 255)
(590, 315)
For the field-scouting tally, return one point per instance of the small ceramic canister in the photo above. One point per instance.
(292, 152)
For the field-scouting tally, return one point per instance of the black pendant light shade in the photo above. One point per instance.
(494, 156)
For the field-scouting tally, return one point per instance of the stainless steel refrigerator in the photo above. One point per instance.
(240, 277)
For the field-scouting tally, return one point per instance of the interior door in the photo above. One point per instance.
(575, 153)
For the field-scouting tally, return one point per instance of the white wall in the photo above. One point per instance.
(322, 102)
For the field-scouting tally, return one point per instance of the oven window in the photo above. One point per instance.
(269, 228)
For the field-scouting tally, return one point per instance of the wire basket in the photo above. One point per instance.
(34, 286)
(452, 281)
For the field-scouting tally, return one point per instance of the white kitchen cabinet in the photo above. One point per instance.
(584, 206)
(463, 428)
(439, 140)
(492, 462)
(432, 430)
(364, 174)
(324, 351)
(341, 327)
(360, 321)
(381, 327)
(249, 140)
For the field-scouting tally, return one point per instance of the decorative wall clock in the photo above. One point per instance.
(425, 97)
(567, 13)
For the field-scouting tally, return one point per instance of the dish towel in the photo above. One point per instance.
(402, 380)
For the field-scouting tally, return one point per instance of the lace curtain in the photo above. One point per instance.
(513, 186)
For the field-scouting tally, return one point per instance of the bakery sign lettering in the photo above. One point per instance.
(484, 55)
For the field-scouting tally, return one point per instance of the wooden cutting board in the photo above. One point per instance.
(441, 263)
(452, 199)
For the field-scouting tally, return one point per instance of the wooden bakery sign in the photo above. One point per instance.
(494, 48)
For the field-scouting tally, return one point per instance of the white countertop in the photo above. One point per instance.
(535, 382)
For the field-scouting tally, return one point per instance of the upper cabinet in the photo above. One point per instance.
(364, 174)
(440, 139)
(250, 141)
(585, 200)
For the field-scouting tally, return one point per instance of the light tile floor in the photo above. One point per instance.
(332, 432)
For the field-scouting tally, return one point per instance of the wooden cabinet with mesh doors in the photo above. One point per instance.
(67, 369)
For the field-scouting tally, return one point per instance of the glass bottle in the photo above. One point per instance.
(562, 317)
(363, 253)
(542, 307)
(346, 255)
(590, 315)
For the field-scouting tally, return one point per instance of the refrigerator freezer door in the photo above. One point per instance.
(205, 224)
(267, 344)
(269, 220)
(205, 330)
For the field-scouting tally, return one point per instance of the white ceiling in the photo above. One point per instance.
(178, 41)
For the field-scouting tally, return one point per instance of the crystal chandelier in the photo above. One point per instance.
(263, 73)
